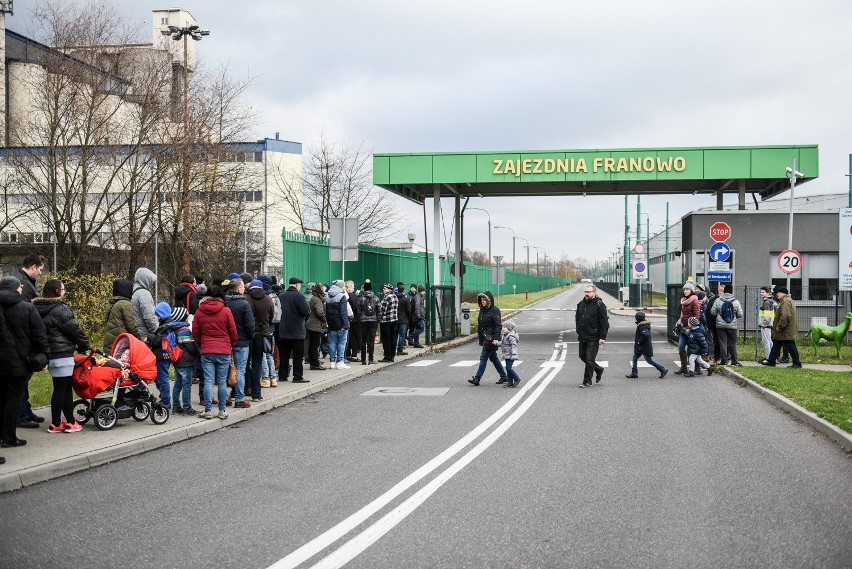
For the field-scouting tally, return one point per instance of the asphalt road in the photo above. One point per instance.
(630, 473)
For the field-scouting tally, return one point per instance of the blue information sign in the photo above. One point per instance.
(720, 276)
(720, 252)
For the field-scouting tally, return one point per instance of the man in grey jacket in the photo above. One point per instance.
(142, 302)
(728, 311)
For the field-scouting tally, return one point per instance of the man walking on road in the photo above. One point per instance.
(592, 323)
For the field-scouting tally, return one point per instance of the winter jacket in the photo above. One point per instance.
(388, 308)
(183, 338)
(294, 314)
(30, 290)
(64, 333)
(213, 328)
(689, 306)
(767, 312)
(143, 303)
(642, 342)
(489, 321)
(316, 320)
(262, 310)
(717, 307)
(186, 295)
(592, 320)
(404, 308)
(119, 314)
(26, 334)
(509, 345)
(366, 297)
(696, 341)
(353, 299)
(418, 311)
(785, 327)
(276, 308)
(243, 317)
(709, 319)
(337, 309)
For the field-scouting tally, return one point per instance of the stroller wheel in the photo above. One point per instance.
(159, 414)
(106, 416)
(142, 411)
(82, 411)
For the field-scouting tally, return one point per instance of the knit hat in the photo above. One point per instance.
(701, 295)
(693, 321)
(163, 310)
(509, 324)
(339, 283)
(179, 314)
(233, 276)
(295, 280)
(640, 316)
(689, 285)
(247, 277)
(255, 284)
(9, 283)
(387, 285)
(368, 285)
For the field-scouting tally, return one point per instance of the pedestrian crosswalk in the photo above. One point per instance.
(422, 362)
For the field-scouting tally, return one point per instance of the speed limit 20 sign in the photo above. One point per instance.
(790, 261)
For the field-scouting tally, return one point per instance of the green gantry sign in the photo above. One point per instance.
(754, 169)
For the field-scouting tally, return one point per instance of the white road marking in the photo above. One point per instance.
(354, 547)
(423, 363)
(465, 363)
(333, 534)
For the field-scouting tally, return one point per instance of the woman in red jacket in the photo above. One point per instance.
(215, 333)
(689, 306)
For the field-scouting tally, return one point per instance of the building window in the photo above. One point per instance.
(164, 21)
(253, 196)
(258, 156)
(795, 287)
(822, 289)
(241, 156)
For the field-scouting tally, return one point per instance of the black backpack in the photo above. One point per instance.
(368, 305)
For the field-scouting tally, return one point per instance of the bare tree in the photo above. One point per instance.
(476, 257)
(337, 182)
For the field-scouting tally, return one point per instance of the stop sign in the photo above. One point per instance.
(720, 231)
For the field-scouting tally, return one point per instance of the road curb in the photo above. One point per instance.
(833, 432)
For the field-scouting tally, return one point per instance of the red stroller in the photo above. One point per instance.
(124, 376)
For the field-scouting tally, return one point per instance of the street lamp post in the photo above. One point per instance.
(489, 229)
(182, 33)
(513, 242)
(528, 252)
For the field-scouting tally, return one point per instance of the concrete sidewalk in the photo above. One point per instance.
(47, 456)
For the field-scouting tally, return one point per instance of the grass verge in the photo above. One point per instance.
(825, 352)
(826, 393)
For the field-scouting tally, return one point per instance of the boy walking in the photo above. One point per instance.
(509, 345)
(696, 345)
(642, 347)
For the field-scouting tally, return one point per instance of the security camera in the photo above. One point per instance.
(798, 174)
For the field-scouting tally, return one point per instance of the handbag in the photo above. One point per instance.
(678, 329)
(232, 373)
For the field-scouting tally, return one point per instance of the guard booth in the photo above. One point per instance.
(442, 313)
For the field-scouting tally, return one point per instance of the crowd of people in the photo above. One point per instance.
(265, 332)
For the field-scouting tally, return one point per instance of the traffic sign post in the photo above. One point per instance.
(720, 232)
(720, 252)
(790, 261)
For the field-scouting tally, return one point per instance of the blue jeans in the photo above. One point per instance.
(484, 356)
(183, 385)
(635, 371)
(401, 335)
(337, 345)
(513, 375)
(163, 382)
(241, 354)
(415, 331)
(215, 368)
(267, 368)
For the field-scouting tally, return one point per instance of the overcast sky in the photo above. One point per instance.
(462, 75)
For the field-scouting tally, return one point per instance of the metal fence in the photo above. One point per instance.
(831, 311)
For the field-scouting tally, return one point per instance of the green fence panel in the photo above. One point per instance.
(306, 257)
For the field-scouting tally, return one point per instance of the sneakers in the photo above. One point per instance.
(74, 427)
(264, 382)
(502, 380)
(710, 371)
(222, 415)
(190, 411)
(333, 365)
(273, 382)
(205, 415)
(59, 429)
(341, 365)
(767, 363)
(242, 405)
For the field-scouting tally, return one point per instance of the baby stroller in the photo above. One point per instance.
(124, 377)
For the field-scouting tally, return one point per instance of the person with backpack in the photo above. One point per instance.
(269, 371)
(64, 335)
(728, 311)
(182, 351)
(418, 315)
(337, 314)
(353, 345)
(263, 311)
(368, 314)
(155, 342)
(186, 295)
(23, 350)
(317, 325)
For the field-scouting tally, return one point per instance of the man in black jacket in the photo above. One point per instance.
(291, 331)
(592, 324)
(31, 270)
(489, 330)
